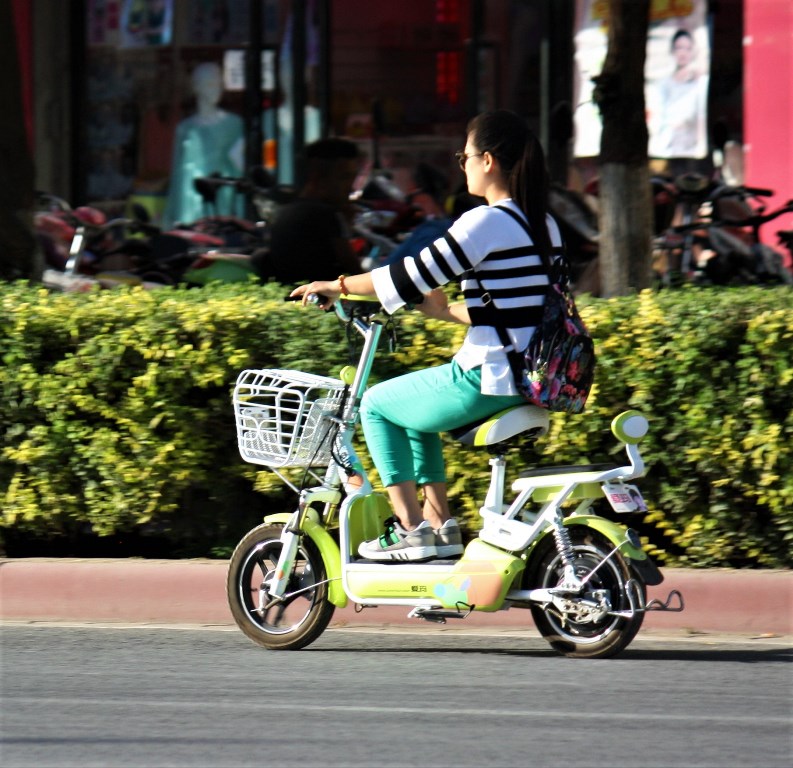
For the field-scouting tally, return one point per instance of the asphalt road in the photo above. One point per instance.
(134, 696)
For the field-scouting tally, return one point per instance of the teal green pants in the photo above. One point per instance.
(402, 418)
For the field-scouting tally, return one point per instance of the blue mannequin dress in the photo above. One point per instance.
(203, 147)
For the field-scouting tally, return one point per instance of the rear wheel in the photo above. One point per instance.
(578, 625)
(294, 622)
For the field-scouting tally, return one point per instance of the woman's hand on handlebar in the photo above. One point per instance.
(329, 291)
(326, 291)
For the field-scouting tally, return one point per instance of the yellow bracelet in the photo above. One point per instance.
(343, 287)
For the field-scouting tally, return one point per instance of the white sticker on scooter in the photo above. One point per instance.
(624, 498)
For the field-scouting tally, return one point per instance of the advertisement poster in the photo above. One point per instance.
(146, 23)
(103, 21)
(677, 73)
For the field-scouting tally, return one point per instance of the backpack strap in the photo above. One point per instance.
(557, 269)
(556, 273)
(514, 357)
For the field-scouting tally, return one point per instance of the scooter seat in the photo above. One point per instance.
(568, 469)
(503, 425)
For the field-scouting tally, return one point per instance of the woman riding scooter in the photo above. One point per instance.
(504, 163)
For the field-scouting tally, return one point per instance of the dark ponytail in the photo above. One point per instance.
(507, 137)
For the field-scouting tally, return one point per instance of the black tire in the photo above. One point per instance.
(297, 621)
(602, 637)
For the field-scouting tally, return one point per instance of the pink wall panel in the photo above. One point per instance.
(768, 102)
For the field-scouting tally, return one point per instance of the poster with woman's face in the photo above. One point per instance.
(677, 73)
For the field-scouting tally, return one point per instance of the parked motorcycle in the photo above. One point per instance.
(716, 238)
(83, 248)
(577, 218)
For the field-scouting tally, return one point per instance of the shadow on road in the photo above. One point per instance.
(659, 650)
(743, 656)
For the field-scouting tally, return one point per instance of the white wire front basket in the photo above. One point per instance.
(280, 417)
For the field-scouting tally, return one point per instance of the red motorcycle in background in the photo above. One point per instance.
(83, 248)
(705, 232)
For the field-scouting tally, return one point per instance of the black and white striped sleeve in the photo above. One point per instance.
(449, 257)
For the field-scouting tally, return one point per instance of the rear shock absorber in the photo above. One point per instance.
(564, 545)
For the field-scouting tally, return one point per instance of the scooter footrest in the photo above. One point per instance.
(439, 615)
(433, 561)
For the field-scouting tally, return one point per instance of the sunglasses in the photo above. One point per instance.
(461, 158)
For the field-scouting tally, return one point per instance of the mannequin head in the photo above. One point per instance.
(207, 82)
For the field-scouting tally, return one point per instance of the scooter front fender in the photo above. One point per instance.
(328, 551)
(638, 559)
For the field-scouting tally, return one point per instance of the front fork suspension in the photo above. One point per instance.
(290, 539)
(276, 587)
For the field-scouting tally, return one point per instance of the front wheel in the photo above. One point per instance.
(293, 622)
(578, 625)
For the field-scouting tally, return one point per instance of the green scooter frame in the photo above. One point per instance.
(482, 579)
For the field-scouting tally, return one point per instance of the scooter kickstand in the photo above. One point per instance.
(672, 604)
(439, 615)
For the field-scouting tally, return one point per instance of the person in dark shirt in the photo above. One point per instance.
(311, 235)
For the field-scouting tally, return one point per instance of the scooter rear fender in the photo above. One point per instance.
(328, 551)
(637, 558)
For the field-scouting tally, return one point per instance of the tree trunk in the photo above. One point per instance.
(626, 212)
(19, 257)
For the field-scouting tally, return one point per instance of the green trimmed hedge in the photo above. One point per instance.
(116, 422)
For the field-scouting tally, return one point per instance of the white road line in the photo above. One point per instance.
(425, 712)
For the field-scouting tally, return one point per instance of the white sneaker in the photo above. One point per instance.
(449, 539)
(398, 544)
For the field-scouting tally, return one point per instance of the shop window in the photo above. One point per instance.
(448, 76)
(141, 60)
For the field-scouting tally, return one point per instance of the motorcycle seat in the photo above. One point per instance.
(501, 426)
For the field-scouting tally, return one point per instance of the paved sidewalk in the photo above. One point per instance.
(194, 592)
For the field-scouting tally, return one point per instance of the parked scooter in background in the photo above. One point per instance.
(386, 217)
(243, 242)
(84, 249)
(705, 232)
(577, 216)
(715, 238)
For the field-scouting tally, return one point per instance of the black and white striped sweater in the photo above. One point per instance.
(507, 266)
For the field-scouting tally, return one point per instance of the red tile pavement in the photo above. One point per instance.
(194, 592)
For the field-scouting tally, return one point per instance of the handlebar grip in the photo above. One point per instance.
(740, 192)
(313, 298)
(759, 191)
